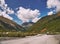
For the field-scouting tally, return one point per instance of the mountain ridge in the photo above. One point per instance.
(6, 24)
(47, 24)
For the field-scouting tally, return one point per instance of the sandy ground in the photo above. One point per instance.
(38, 39)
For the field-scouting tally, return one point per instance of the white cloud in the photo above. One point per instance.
(9, 11)
(35, 20)
(26, 14)
(2, 2)
(50, 13)
(53, 4)
(3, 13)
(6, 10)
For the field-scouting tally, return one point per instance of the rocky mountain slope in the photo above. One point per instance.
(9, 25)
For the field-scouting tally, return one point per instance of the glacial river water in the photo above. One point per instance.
(38, 39)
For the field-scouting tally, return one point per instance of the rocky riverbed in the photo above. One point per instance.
(38, 39)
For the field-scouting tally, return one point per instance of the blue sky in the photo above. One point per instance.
(32, 4)
(40, 5)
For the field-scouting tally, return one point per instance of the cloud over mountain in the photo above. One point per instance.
(27, 14)
(50, 13)
(54, 4)
(5, 10)
(35, 20)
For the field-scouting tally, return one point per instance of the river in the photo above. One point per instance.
(38, 39)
